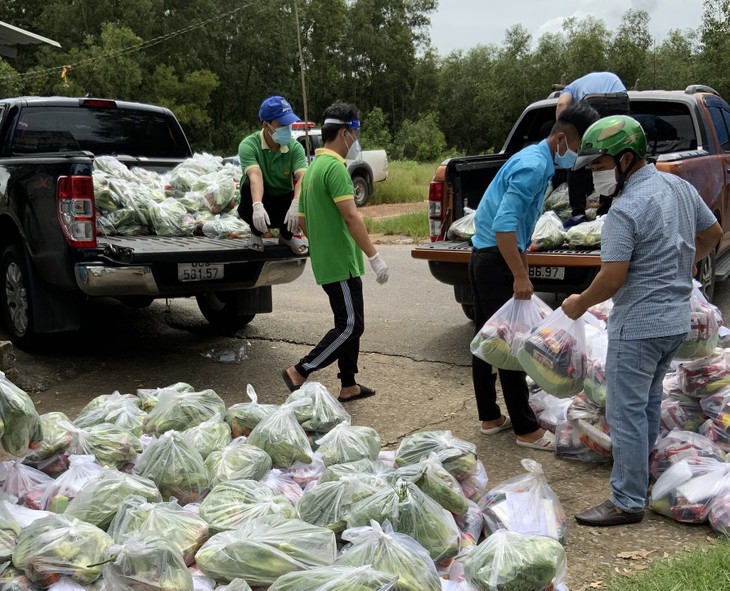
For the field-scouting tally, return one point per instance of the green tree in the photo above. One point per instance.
(10, 82)
(629, 49)
(674, 64)
(715, 37)
(375, 132)
(586, 46)
(419, 140)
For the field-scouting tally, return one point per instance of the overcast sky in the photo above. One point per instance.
(463, 24)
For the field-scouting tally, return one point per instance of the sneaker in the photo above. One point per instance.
(574, 221)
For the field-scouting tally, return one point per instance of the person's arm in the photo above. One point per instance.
(564, 101)
(298, 174)
(303, 224)
(706, 241)
(356, 227)
(256, 182)
(608, 281)
(507, 244)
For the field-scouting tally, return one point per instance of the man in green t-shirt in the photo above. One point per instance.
(337, 240)
(270, 160)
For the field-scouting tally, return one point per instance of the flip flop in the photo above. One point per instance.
(494, 430)
(545, 443)
(287, 380)
(297, 246)
(365, 392)
(256, 243)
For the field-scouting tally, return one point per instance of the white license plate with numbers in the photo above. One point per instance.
(199, 271)
(547, 272)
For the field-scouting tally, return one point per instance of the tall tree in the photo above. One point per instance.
(629, 49)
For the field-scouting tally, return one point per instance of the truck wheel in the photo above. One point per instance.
(362, 190)
(17, 301)
(468, 311)
(706, 275)
(220, 312)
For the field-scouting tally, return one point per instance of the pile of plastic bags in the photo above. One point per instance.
(198, 196)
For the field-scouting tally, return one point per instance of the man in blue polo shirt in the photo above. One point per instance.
(505, 219)
(656, 231)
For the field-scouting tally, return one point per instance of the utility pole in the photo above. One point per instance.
(304, 86)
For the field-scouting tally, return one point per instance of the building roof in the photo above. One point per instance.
(11, 37)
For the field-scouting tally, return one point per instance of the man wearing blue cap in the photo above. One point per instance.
(271, 159)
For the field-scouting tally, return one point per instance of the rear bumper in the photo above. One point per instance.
(101, 280)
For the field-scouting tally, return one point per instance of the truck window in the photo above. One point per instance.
(721, 123)
(534, 127)
(669, 126)
(100, 131)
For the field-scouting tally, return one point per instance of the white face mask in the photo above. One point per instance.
(604, 182)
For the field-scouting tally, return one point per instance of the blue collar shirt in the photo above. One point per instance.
(514, 200)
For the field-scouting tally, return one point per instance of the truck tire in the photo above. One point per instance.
(362, 190)
(706, 275)
(468, 311)
(16, 297)
(219, 310)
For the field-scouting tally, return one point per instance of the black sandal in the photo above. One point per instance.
(365, 392)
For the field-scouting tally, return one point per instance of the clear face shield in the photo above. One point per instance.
(354, 150)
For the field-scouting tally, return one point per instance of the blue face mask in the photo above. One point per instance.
(282, 135)
(568, 159)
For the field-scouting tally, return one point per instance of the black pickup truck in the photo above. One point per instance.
(52, 256)
(688, 134)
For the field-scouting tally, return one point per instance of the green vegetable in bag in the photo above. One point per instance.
(121, 410)
(211, 435)
(413, 448)
(363, 467)
(348, 443)
(243, 417)
(281, 436)
(336, 578)
(177, 411)
(237, 461)
(322, 412)
(20, 425)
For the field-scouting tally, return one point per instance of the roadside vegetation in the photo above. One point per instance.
(413, 225)
(407, 182)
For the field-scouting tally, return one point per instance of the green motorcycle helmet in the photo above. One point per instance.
(611, 136)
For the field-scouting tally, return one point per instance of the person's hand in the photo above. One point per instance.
(379, 267)
(260, 217)
(291, 219)
(572, 307)
(522, 288)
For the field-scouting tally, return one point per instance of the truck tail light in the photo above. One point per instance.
(436, 209)
(76, 210)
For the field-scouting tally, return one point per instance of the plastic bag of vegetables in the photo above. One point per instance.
(511, 561)
(56, 438)
(525, 504)
(239, 460)
(585, 234)
(122, 410)
(20, 425)
(109, 444)
(328, 504)
(390, 552)
(23, 483)
(235, 585)
(336, 578)
(57, 496)
(413, 448)
(558, 201)
(594, 384)
(226, 226)
(243, 417)
(348, 443)
(433, 479)
(169, 218)
(9, 532)
(701, 377)
(463, 228)
(500, 338)
(281, 436)
(175, 467)
(22, 515)
(146, 561)
(58, 545)
(177, 411)
(211, 435)
(232, 503)
(548, 233)
(411, 512)
(322, 412)
(218, 190)
(263, 549)
(364, 466)
(150, 396)
(678, 445)
(183, 529)
(283, 484)
(475, 486)
(100, 498)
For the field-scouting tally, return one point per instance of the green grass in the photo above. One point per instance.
(414, 225)
(407, 182)
(699, 570)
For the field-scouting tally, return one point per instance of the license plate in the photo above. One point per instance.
(199, 271)
(547, 272)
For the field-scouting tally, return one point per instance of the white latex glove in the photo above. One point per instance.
(379, 267)
(291, 219)
(260, 217)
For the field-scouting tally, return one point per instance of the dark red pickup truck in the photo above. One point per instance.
(689, 135)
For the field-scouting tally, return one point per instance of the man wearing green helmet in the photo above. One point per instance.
(656, 231)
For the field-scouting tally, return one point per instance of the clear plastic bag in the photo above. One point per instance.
(23, 483)
(559, 202)
(146, 561)
(150, 396)
(56, 438)
(682, 413)
(470, 526)
(110, 445)
(585, 234)
(594, 385)
(548, 233)
(235, 502)
(305, 474)
(525, 504)
(20, 425)
(463, 228)
(602, 310)
(554, 355)
(169, 218)
(336, 578)
(417, 446)
(549, 410)
(281, 436)
(243, 417)
(175, 467)
(227, 226)
(22, 515)
(235, 585)
(717, 405)
(263, 549)
(211, 435)
(218, 191)
(511, 561)
(718, 431)
(502, 335)
(475, 485)
(705, 323)
(704, 376)
(178, 410)
(56, 546)
(680, 445)
(100, 498)
(348, 443)
(122, 410)
(57, 496)
(719, 516)
(411, 512)
(328, 504)
(364, 467)
(239, 460)
(283, 484)
(322, 412)
(9, 532)
(570, 444)
(184, 530)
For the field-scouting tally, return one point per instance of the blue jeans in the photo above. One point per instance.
(634, 375)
